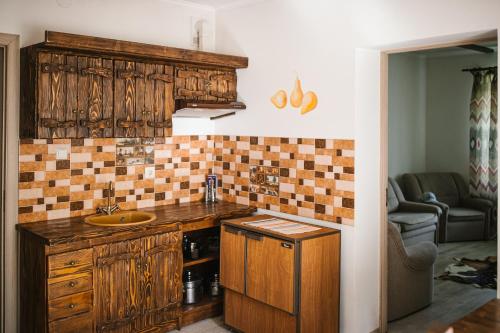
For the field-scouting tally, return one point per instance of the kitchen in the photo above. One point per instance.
(321, 156)
(126, 227)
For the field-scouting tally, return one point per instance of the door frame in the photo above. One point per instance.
(9, 174)
(385, 52)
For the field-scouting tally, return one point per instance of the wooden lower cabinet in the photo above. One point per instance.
(280, 283)
(122, 286)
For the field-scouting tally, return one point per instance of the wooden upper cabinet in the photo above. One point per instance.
(86, 87)
(199, 84)
(57, 98)
(95, 97)
(143, 99)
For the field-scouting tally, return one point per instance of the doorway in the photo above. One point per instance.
(371, 119)
(2, 231)
(438, 101)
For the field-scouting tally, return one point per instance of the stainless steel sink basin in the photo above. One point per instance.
(121, 219)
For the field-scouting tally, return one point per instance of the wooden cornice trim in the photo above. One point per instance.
(134, 49)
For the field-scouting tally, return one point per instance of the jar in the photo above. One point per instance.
(193, 288)
(215, 285)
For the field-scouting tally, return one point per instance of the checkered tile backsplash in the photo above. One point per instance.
(316, 176)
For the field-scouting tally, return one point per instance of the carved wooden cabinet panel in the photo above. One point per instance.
(193, 83)
(95, 97)
(56, 92)
(143, 99)
(162, 279)
(117, 286)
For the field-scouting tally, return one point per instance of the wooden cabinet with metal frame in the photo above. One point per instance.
(290, 282)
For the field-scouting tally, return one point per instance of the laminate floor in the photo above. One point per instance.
(452, 300)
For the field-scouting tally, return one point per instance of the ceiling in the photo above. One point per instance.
(454, 51)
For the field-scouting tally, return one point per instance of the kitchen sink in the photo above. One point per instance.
(121, 219)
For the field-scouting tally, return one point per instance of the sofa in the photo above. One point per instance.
(464, 217)
(410, 275)
(415, 221)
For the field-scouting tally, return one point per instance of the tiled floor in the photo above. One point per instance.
(452, 300)
(212, 325)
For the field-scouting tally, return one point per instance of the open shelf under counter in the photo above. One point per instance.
(208, 307)
(208, 258)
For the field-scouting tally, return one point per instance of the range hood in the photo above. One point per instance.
(206, 109)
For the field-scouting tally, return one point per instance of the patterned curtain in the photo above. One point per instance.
(483, 135)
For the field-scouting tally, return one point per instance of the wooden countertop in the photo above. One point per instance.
(238, 223)
(71, 230)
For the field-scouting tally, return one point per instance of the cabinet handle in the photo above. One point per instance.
(232, 230)
(72, 263)
(254, 236)
(72, 284)
(123, 123)
(286, 245)
(160, 124)
(52, 123)
(99, 124)
(71, 305)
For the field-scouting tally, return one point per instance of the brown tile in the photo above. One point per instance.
(26, 177)
(62, 164)
(76, 205)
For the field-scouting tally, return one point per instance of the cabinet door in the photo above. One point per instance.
(57, 99)
(270, 271)
(201, 84)
(190, 83)
(232, 258)
(222, 85)
(158, 101)
(95, 97)
(129, 99)
(162, 278)
(117, 268)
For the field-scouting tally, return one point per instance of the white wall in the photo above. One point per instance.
(407, 113)
(429, 98)
(448, 97)
(317, 39)
(163, 22)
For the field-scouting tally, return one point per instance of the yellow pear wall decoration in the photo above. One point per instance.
(279, 99)
(306, 102)
(309, 103)
(297, 94)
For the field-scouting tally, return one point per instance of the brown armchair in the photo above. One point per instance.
(464, 217)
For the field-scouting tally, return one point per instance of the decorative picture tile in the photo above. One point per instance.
(134, 151)
(264, 179)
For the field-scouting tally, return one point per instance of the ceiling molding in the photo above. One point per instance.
(190, 4)
(239, 3)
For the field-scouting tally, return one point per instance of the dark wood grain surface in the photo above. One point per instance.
(70, 230)
(97, 44)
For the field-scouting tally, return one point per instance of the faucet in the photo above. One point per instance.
(108, 209)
